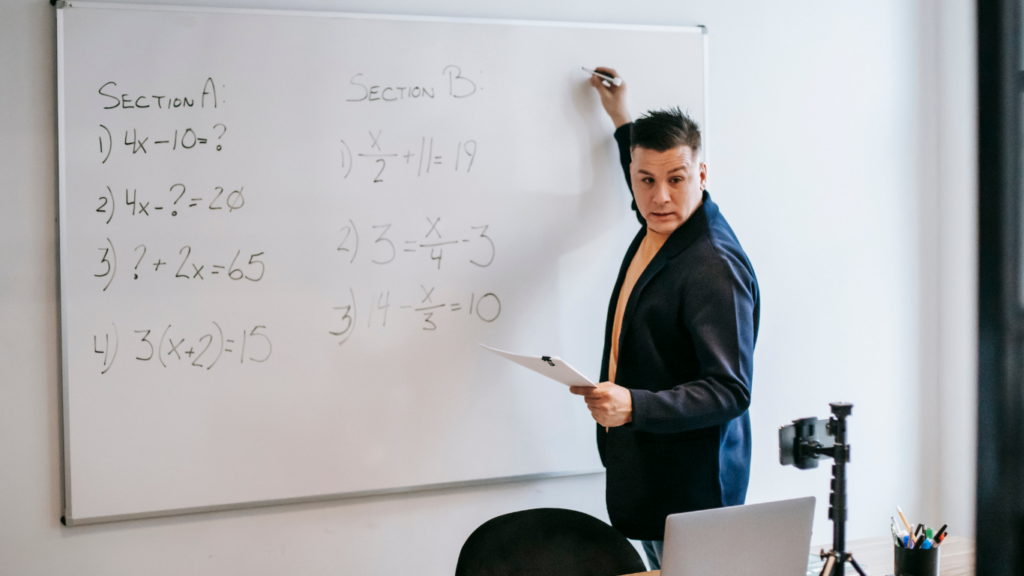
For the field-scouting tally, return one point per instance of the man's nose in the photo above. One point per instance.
(662, 194)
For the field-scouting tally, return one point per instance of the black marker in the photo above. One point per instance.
(607, 78)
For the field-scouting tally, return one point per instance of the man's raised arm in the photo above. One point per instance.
(613, 99)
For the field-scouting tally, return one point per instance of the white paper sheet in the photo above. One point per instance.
(551, 366)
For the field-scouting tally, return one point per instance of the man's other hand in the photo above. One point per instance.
(613, 98)
(609, 403)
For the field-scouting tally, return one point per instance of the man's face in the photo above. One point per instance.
(667, 185)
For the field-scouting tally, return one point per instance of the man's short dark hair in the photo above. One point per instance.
(662, 130)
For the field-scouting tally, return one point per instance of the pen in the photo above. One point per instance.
(895, 536)
(927, 544)
(919, 542)
(904, 518)
(604, 76)
(940, 531)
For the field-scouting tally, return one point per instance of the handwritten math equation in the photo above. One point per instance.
(235, 266)
(379, 158)
(473, 242)
(182, 139)
(172, 202)
(425, 307)
(168, 346)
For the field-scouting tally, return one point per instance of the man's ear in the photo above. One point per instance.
(703, 176)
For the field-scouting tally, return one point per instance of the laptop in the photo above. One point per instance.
(770, 539)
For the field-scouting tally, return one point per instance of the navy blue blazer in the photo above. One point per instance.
(686, 350)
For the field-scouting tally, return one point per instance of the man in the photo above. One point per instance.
(673, 430)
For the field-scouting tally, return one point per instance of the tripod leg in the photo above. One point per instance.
(855, 565)
(830, 562)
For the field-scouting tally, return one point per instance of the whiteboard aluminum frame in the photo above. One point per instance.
(69, 521)
(62, 268)
(67, 517)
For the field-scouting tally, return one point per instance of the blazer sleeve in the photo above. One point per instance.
(625, 157)
(719, 313)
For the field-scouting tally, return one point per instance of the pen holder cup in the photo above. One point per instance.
(916, 561)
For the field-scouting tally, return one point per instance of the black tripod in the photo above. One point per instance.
(836, 559)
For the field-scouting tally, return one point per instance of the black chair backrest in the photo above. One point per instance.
(547, 541)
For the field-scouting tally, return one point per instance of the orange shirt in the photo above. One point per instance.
(649, 247)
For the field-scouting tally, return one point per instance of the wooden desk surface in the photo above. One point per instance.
(875, 556)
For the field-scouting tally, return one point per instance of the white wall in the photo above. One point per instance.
(834, 136)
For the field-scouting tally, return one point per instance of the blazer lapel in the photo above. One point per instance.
(630, 253)
(681, 239)
(656, 265)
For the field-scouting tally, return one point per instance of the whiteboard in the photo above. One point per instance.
(284, 234)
